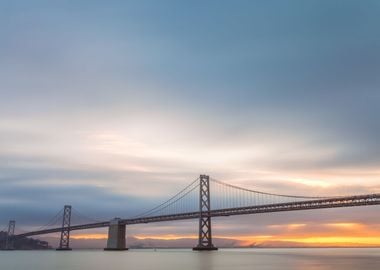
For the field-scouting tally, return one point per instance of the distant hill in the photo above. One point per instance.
(134, 242)
(24, 243)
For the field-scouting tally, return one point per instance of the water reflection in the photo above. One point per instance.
(236, 259)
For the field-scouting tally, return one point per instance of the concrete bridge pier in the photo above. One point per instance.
(116, 236)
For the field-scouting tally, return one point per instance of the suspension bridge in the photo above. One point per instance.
(192, 202)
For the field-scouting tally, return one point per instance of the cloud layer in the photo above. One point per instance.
(114, 109)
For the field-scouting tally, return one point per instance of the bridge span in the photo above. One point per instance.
(233, 201)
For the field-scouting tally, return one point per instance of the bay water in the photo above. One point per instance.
(183, 259)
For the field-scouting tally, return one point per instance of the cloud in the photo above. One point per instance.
(115, 115)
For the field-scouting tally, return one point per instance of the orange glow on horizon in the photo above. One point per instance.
(344, 234)
(94, 236)
(336, 240)
(166, 237)
(339, 240)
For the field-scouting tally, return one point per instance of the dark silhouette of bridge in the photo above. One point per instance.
(193, 202)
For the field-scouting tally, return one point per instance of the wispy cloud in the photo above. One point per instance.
(114, 115)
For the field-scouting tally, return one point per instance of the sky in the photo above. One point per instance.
(114, 106)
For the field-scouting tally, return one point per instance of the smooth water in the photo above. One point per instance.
(228, 259)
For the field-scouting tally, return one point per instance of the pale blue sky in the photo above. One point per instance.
(112, 105)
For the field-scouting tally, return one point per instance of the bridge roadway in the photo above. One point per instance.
(349, 201)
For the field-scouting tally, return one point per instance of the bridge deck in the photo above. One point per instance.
(349, 201)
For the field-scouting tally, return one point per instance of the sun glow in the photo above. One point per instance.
(335, 240)
(89, 236)
(166, 237)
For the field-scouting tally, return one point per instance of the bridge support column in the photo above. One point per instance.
(205, 236)
(116, 236)
(64, 243)
(9, 242)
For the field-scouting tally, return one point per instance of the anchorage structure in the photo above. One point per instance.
(64, 243)
(205, 237)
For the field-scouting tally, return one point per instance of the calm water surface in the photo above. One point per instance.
(228, 259)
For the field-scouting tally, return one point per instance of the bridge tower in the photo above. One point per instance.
(116, 236)
(205, 237)
(9, 242)
(64, 243)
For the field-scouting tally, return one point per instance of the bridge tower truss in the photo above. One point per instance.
(205, 236)
(9, 242)
(64, 243)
